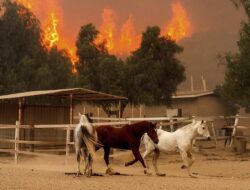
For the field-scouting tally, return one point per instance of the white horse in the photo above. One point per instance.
(85, 138)
(181, 140)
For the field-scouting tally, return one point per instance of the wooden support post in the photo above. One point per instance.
(132, 110)
(171, 126)
(160, 127)
(68, 141)
(214, 134)
(140, 110)
(31, 137)
(192, 83)
(20, 117)
(68, 131)
(17, 129)
(83, 108)
(119, 104)
(98, 113)
(16, 139)
(236, 121)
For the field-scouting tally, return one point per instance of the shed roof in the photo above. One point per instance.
(192, 94)
(81, 94)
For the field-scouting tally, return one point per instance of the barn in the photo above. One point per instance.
(26, 111)
(184, 103)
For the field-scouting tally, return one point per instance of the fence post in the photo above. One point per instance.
(68, 135)
(31, 137)
(132, 110)
(119, 104)
(67, 140)
(214, 134)
(140, 110)
(17, 132)
(171, 125)
(236, 121)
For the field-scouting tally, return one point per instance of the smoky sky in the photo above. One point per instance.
(205, 15)
(215, 26)
(215, 29)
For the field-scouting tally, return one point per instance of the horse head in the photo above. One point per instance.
(203, 129)
(152, 132)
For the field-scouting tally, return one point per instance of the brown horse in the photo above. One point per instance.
(127, 137)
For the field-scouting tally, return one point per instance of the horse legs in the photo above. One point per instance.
(78, 158)
(131, 162)
(145, 156)
(83, 152)
(188, 161)
(138, 156)
(106, 158)
(154, 161)
(89, 162)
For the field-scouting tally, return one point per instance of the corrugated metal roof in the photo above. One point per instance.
(78, 94)
(192, 94)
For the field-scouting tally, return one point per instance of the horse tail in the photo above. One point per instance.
(89, 145)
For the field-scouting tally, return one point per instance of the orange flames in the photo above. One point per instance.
(51, 36)
(119, 44)
(179, 26)
(119, 40)
(129, 40)
(107, 29)
(122, 42)
(25, 3)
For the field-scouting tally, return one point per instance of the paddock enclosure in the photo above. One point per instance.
(38, 138)
(44, 119)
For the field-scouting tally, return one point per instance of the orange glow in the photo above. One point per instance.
(107, 29)
(25, 3)
(50, 12)
(179, 26)
(129, 40)
(121, 42)
(51, 36)
(120, 39)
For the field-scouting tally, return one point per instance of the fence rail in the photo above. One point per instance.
(162, 121)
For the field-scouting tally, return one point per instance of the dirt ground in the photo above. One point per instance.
(216, 168)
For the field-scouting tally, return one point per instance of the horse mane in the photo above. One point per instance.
(188, 125)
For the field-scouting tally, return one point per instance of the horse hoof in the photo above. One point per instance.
(183, 167)
(110, 171)
(126, 164)
(160, 174)
(78, 174)
(147, 172)
(193, 175)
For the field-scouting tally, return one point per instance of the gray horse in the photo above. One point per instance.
(85, 138)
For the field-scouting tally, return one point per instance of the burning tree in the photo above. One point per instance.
(150, 75)
(25, 64)
(153, 71)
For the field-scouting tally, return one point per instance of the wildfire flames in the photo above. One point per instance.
(51, 36)
(179, 26)
(119, 42)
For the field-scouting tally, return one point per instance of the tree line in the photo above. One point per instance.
(150, 75)
(235, 91)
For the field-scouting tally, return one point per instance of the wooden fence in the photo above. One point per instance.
(162, 121)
